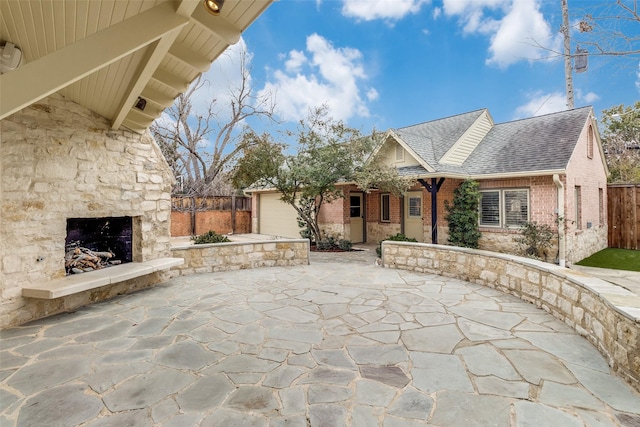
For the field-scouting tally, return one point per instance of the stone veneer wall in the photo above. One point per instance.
(59, 160)
(576, 299)
(210, 258)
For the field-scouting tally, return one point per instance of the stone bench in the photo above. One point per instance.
(94, 279)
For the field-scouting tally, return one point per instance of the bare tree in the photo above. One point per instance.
(621, 142)
(199, 145)
(609, 28)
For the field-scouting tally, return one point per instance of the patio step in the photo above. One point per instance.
(76, 283)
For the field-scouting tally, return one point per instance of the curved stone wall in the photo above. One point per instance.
(606, 314)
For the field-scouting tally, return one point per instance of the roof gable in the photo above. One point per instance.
(431, 140)
(463, 147)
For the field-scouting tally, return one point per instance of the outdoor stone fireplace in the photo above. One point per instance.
(61, 162)
(96, 243)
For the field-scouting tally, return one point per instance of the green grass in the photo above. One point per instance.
(618, 259)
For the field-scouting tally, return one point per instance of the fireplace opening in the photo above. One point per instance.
(96, 243)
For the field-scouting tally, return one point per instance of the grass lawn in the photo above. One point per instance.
(619, 259)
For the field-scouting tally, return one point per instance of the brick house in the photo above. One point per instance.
(533, 169)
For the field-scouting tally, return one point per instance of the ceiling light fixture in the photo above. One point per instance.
(213, 6)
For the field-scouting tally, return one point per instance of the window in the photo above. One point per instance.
(578, 206)
(385, 208)
(399, 153)
(590, 143)
(355, 207)
(600, 207)
(415, 207)
(504, 208)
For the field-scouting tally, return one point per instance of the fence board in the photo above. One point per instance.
(222, 214)
(623, 206)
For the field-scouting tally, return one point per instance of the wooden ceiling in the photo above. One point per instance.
(105, 54)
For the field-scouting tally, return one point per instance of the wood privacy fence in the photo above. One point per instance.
(191, 216)
(623, 208)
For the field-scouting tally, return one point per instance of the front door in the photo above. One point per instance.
(413, 224)
(356, 212)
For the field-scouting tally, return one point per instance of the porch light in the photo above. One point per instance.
(213, 6)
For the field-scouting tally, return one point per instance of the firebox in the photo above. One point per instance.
(95, 243)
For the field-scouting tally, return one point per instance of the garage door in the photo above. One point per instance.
(277, 218)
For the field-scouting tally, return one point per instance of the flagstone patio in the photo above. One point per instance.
(333, 343)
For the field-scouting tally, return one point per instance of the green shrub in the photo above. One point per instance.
(396, 238)
(463, 215)
(324, 245)
(209, 237)
(534, 240)
(345, 244)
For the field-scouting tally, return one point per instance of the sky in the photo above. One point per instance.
(393, 63)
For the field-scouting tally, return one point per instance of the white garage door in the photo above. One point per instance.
(277, 218)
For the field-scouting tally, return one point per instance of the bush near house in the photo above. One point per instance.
(463, 215)
(330, 243)
(209, 237)
(535, 239)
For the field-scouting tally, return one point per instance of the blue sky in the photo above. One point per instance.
(394, 63)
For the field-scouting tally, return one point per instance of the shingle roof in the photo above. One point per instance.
(431, 140)
(528, 145)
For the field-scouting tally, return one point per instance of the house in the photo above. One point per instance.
(82, 84)
(534, 169)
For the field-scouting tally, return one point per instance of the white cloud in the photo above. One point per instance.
(587, 98)
(516, 28)
(324, 74)
(372, 94)
(542, 103)
(437, 11)
(295, 61)
(369, 10)
(519, 34)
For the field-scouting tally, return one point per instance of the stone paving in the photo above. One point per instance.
(334, 343)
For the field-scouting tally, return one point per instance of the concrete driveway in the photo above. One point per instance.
(340, 342)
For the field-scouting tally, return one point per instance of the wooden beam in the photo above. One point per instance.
(217, 25)
(151, 63)
(166, 78)
(38, 79)
(189, 57)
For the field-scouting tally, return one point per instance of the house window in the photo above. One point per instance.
(590, 143)
(578, 206)
(504, 208)
(385, 208)
(600, 207)
(415, 207)
(399, 153)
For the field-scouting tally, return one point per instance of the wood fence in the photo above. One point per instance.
(191, 216)
(623, 206)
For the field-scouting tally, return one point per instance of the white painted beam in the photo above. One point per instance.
(166, 78)
(151, 63)
(189, 57)
(38, 79)
(217, 25)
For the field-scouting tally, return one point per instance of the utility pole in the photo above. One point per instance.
(567, 54)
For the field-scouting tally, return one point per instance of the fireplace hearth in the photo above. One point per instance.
(95, 243)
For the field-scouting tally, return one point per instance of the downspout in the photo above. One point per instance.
(560, 221)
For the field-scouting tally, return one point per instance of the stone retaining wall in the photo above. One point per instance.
(607, 315)
(238, 256)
